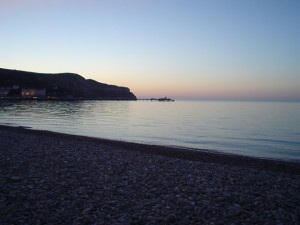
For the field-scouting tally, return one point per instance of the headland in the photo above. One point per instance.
(15, 84)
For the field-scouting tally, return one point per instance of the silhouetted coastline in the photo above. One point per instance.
(15, 84)
(66, 99)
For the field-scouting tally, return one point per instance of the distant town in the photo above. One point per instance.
(15, 91)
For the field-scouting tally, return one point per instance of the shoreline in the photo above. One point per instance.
(66, 99)
(53, 178)
(191, 154)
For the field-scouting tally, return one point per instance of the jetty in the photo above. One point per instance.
(165, 99)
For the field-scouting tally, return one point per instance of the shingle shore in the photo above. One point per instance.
(49, 178)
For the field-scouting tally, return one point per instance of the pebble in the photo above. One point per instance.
(55, 181)
(15, 178)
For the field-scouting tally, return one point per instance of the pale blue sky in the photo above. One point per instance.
(229, 49)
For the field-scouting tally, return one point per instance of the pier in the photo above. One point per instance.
(165, 99)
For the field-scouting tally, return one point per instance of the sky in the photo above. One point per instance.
(183, 49)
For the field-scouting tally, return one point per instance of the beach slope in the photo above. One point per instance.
(51, 178)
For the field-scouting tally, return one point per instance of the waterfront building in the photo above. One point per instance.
(33, 93)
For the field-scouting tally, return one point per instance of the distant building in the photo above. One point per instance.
(33, 93)
(14, 87)
(5, 88)
(3, 93)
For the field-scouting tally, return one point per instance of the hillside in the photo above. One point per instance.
(61, 85)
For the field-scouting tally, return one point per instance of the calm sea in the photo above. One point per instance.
(260, 129)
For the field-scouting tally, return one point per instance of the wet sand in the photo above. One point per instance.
(52, 178)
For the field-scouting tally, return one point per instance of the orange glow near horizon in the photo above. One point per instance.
(214, 92)
(179, 49)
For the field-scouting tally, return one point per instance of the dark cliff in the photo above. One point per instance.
(63, 85)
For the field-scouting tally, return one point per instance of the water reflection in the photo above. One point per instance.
(257, 129)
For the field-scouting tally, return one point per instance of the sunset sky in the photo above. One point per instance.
(184, 49)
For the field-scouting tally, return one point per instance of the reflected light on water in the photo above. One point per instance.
(248, 128)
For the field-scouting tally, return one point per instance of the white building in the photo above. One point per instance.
(33, 93)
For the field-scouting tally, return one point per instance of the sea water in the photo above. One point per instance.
(259, 129)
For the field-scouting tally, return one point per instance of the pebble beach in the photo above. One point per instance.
(52, 178)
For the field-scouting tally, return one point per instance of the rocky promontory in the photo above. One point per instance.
(14, 83)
